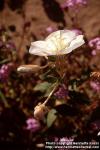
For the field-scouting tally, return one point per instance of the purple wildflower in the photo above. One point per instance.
(66, 5)
(93, 52)
(95, 43)
(32, 124)
(82, 2)
(10, 45)
(50, 29)
(4, 72)
(77, 31)
(62, 92)
(73, 3)
(95, 85)
(95, 126)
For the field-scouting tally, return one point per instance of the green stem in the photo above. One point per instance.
(4, 61)
(4, 99)
(55, 86)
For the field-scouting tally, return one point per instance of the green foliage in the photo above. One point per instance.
(2, 97)
(42, 87)
(51, 117)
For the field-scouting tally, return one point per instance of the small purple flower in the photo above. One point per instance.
(32, 124)
(67, 4)
(73, 3)
(4, 72)
(10, 45)
(82, 2)
(50, 29)
(94, 52)
(95, 85)
(62, 92)
(77, 31)
(95, 43)
(95, 126)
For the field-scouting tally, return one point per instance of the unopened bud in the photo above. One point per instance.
(29, 68)
(40, 111)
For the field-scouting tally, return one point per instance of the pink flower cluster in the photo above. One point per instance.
(4, 72)
(32, 124)
(62, 92)
(73, 3)
(95, 86)
(95, 45)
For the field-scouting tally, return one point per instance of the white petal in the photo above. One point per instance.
(52, 46)
(74, 44)
(54, 34)
(68, 35)
(59, 40)
(39, 48)
(53, 42)
(57, 43)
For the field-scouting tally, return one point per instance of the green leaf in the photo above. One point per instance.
(48, 91)
(51, 117)
(4, 61)
(42, 86)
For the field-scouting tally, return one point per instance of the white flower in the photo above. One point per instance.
(57, 43)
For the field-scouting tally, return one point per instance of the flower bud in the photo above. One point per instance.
(28, 68)
(40, 111)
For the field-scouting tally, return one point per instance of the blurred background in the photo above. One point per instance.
(25, 21)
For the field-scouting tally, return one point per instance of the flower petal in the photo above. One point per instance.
(68, 35)
(74, 44)
(57, 43)
(39, 48)
(59, 40)
(66, 38)
(52, 46)
(54, 34)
